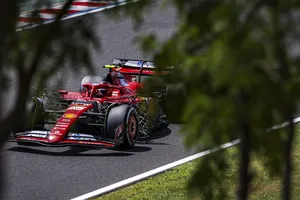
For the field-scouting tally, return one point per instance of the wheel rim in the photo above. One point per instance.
(132, 127)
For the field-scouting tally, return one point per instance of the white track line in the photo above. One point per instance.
(296, 120)
(153, 172)
(164, 168)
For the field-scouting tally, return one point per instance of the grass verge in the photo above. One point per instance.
(173, 183)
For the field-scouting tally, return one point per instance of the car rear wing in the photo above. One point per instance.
(134, 63)
(135, 66)
(131, 63)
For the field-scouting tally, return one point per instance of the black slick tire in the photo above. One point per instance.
(126, 115)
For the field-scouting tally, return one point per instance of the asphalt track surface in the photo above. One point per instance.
(64, 173)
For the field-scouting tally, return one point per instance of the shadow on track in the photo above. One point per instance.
(153, 137)
(161, 133)
(135, 149)
(78, 151)
(71, 152)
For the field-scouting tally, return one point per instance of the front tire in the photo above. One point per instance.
(123, 116)
(131, 129)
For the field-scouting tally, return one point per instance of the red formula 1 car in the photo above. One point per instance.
(106, 112)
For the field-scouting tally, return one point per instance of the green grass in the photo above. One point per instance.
(169, 185)
(173, 183)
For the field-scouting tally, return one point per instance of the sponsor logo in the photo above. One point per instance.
(119, 130)
(56, 133)
(77, 136)
(36, 135)
(115, 93)
(65, 120)
(52, 137)
(61, 125)
(83, 117)
(76, 108)
(69, 116)
(140, 63)
(59, 128)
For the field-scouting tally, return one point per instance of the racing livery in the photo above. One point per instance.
(105, 112)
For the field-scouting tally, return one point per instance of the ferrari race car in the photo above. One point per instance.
(106, 111)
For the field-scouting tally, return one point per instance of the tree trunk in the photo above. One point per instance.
(284, 71)
(244, 176)
(288, 165)
(8, 13)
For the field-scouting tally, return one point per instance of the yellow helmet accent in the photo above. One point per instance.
(109, 66)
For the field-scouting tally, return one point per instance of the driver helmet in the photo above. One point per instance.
(103, 91)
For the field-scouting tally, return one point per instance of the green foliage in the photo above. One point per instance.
(33, 56)
(37, 54)
(173, 183)
(210, 174)
(233, 66)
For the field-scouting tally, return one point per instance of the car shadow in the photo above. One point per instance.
(155, 136)
(160, 133)
(136, 149)
(70, 152)
(79, 151)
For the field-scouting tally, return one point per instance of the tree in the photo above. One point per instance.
(35, 55)
(231, 61)
(235, 70)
